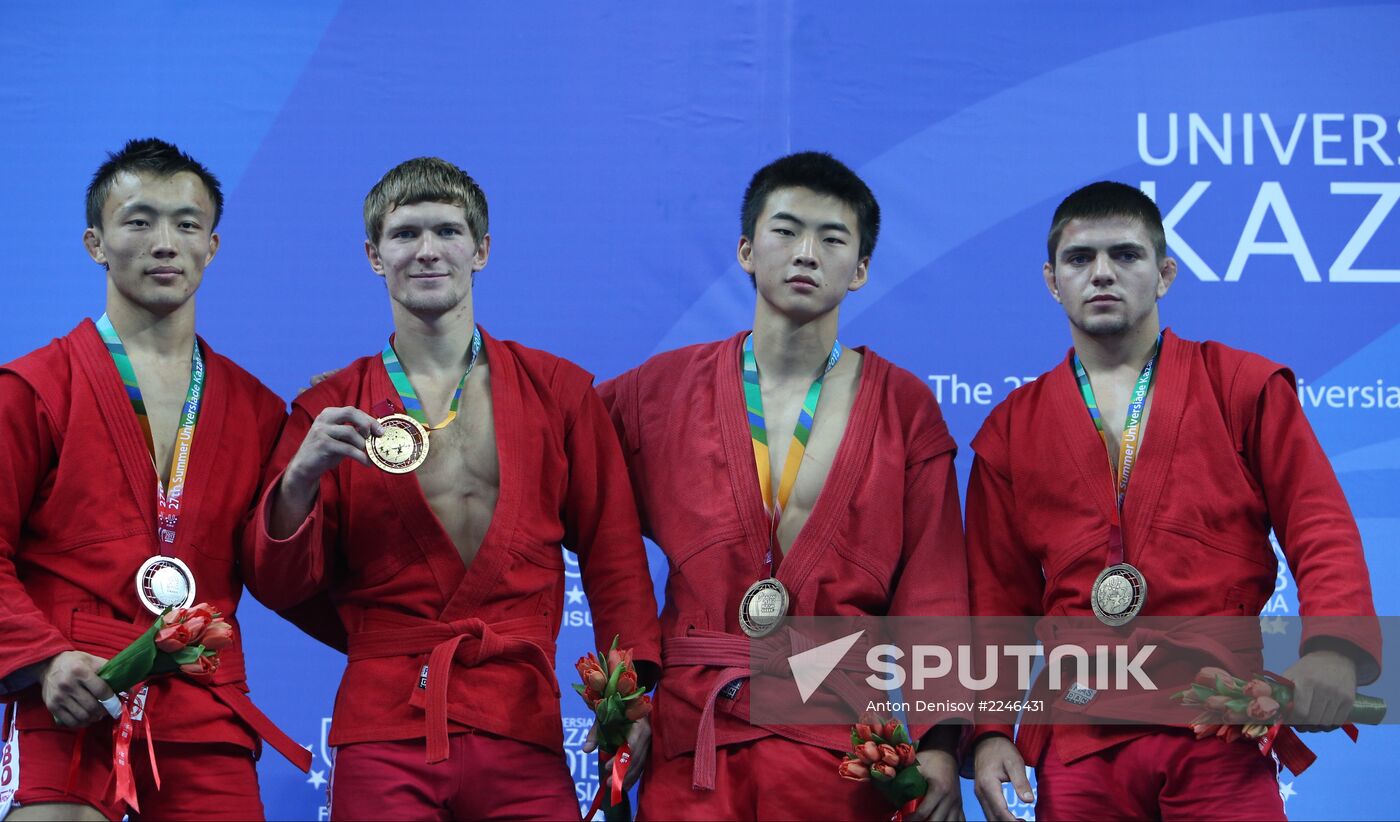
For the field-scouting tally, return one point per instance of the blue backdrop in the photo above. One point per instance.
(614, 143)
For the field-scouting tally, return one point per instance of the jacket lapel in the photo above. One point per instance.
(208, 433)
(120, 419)
(857, 442)
(462, 587)
(1160, 436)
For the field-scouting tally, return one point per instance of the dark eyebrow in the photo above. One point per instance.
(131, 208)
(783, 215)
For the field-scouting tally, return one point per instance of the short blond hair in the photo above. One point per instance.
(425, 180)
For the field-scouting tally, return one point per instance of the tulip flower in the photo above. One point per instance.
(906, 755)
(593, 677)
(218, 635)
(869, 753)
(202, 666)
(172, 638)
(1263, 708)
(638, 708)
(882, 772)
(889, 756)
(1257, 687)
(853, 769)
(1208, 677)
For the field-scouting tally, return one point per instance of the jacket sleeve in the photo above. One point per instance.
(601, 528)
(1314, 526)
(26, 635)
(1005, 579)
(283, 573)
(619, 396)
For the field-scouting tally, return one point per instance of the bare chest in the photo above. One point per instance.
(1113, 410)
(818, 457)
(461, 477)
(163, 392)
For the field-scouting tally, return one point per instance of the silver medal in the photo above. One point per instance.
(763, 607)
(164, 582)
(1118, 594)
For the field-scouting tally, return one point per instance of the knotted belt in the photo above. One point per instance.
(107, 637)
(740, 658)
(465, 642)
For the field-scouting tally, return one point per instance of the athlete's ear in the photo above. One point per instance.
(213, 247)
(482, 254)
(862, 275)
(1054, 287)
(92, 241)
(1166, 277)
(745, 254)
(375, 261)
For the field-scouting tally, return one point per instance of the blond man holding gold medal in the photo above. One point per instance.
(428, 488)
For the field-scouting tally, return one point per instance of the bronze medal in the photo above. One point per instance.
(1118, 594)
(763, 608)
(402, 447)
(164, 582)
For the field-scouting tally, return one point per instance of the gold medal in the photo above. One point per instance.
(402, 447)
(763, 607)
(164, 582)
(1118, 594)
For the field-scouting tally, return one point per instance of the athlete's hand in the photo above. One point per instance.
(317, 379)
(72, 690)
(638, 740)
(943, 801)
(336, 434)
(996, 760)
(1325, 689)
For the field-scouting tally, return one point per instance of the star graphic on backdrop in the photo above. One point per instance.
(1273, 625)
(1285, 790)
(575, 595)
(317, 778)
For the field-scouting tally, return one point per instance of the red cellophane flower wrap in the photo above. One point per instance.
(1256, 709)
(611, 691)
(882, 753)
(181, 640)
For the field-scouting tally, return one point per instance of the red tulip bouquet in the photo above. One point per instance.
(183, 640)
(611, 691)
(1257, 710)
(883, 753)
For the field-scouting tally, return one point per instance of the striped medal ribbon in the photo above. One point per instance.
(765, 604)
(1120, 590)
(162, 581)
(404, 444)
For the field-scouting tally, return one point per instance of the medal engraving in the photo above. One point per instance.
(402, 447)
(1118, 594)
(164, 582)
(763, 607)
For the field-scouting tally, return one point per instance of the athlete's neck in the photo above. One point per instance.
(167, 336)
(438, 344)
(1129, 351)
(790, 351)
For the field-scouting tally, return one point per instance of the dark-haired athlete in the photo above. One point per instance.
(870, 523)
(134, 453)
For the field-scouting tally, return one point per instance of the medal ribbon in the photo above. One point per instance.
(758, 430)
(167, 498)
(411, 404)
(1131, 445)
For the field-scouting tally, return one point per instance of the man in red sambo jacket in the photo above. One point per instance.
(1225, 454)
(79, 508)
